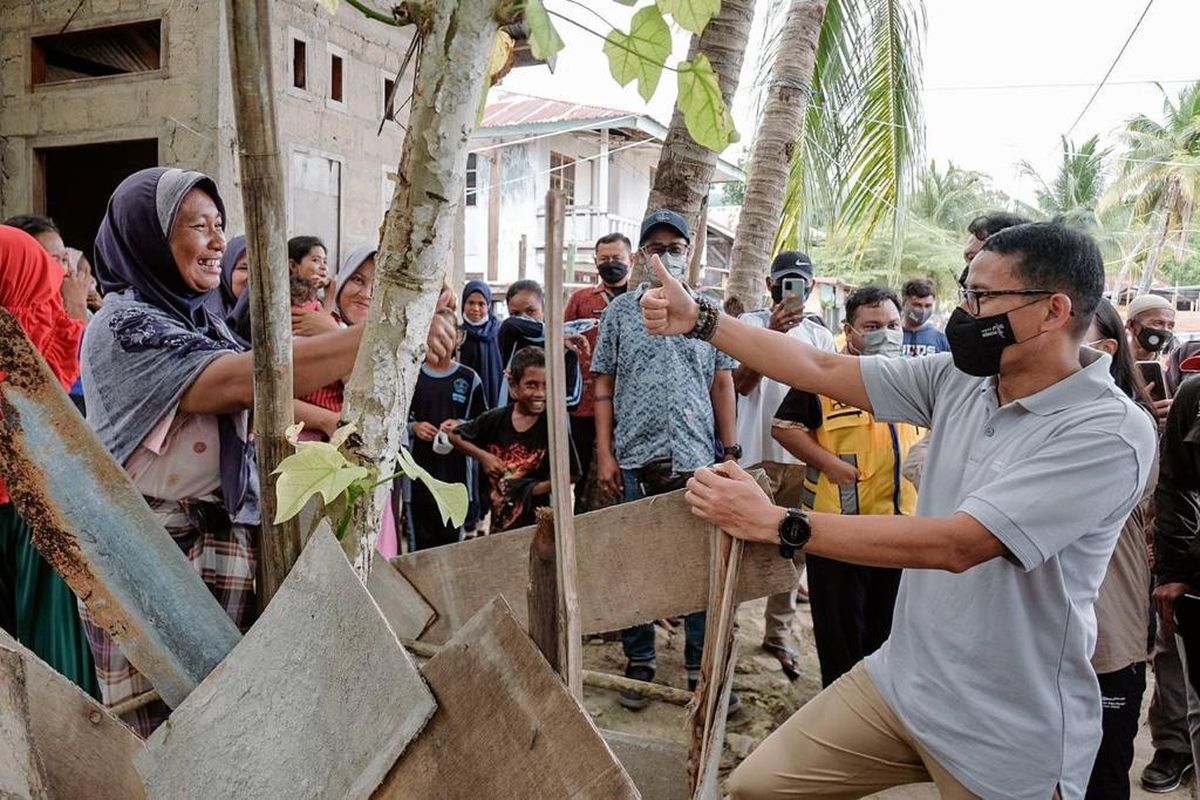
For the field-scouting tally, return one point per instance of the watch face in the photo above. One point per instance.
(794, 529)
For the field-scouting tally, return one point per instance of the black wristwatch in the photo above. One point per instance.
(794, 532)
(733, 450)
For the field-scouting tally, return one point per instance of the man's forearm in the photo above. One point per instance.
(603, 409)
(805, 447)
(467, 448)
(724, 407)
(788, 360)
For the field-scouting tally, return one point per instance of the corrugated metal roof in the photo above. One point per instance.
(506, 109)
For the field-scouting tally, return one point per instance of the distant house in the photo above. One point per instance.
(91, 92)
(603, 159)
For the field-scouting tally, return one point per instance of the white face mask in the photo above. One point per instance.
(882, 342)
(677, 265)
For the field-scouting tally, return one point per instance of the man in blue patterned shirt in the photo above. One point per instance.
(656, 400)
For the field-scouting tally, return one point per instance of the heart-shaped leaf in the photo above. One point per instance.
(544, 40)
(451, 498)
(640, 54)
(704, 112)
(314, 467)
(692, 15)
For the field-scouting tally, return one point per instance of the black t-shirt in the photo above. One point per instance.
(802, 407)
(525, 455)
(439, 396)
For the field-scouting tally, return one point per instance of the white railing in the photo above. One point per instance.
(583, 225)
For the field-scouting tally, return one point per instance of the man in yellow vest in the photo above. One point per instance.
(853, 468)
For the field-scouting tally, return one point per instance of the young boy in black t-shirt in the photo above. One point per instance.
(512, 444)
(446, 393)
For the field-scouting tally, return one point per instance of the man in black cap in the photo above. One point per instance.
(657, 402)
(789, 284)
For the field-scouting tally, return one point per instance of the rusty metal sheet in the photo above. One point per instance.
(94, 527)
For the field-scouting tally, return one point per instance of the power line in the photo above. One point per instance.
(1111, 66)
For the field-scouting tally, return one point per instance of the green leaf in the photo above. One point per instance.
(544, 40)
(692, 15)
(628, 2)
(451, 498)
(640, 54)
(314, 467)
(332, 5)
(708, 120)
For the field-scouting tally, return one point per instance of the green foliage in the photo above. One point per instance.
(1183, 271)
(544, 40)
(704, 112)
(322, 468)
(950, 198)
(1078, 183)
(733, 193)
(640, 54)
(692, 15)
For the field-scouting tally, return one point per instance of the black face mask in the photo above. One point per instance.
(976, 343)
(613, 271)
(1154, 340)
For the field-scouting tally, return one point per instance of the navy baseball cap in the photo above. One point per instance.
(667, 217)
(792, 262)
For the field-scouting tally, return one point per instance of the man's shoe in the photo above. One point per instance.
(1166, 771)
(636, 701)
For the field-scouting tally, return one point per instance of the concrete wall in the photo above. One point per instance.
(177, 105)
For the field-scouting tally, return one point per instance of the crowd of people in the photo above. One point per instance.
(998, 522)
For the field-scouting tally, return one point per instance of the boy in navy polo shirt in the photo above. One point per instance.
(921, 338)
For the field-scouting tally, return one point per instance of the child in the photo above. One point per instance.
(308, 275)
(512, 444)
(446, 394)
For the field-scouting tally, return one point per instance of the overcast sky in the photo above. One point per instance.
(1003, 79)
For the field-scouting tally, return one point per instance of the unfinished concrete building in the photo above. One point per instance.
(92, 91)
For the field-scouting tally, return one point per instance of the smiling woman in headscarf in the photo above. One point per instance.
(36, 606)
(481, 349)
(169, 388)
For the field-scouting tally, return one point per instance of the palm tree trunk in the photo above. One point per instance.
(685, 169)
(780, 129)
(415, 245)
(1160, 244)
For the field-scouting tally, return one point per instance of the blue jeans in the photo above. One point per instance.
(638, 641)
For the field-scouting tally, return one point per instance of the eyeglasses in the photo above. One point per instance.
(970, 299)
(658, 249)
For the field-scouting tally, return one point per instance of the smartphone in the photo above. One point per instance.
(793, 291)
(1155, 378)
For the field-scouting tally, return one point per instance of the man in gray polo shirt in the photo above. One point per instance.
(1035, 462)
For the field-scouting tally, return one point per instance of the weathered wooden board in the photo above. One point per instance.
(402, 605)
(637, 562)
(506, 726)
(96, 529)
(21, 771)
(658, 767)
(318, 700)
(85, 750)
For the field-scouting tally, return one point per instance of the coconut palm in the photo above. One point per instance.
(1159, 176)
(951, 197)
(1078, 183)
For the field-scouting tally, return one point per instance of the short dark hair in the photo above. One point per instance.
(300, 246)
(1056, 257)
(524, 285)
(33, 224)
(524, 359)
(612, 238)
(985, 225)
(919, 287)
(869, 296)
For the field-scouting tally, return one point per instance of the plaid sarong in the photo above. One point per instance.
(225, 557)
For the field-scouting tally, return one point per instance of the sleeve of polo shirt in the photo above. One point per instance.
(903, 389)
(1040, 505)
(604, 357)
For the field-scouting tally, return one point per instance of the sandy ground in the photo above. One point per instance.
(768, 697)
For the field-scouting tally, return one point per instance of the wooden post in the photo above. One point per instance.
(523, 257)
(543, 588)
(570, 656)
(493, 218)
(270, 297)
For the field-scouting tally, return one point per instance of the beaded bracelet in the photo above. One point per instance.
(706, 320)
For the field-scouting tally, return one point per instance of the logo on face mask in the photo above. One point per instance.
(1153, 340)
(999, 329)
(978, 343)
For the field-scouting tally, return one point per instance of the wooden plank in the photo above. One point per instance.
(638, 561)
(85, 750)
(570, 635)
(506, 725)
(21, 772)
(318, 700)
(95, 528)
(542, 603)
(706, 722)
(658, 767)
(402, 605)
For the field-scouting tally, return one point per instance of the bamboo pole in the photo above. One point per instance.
(570, 656)
(262, 186)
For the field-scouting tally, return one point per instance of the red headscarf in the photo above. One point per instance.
(30, 281)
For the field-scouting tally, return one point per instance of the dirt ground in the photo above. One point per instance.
(768, 698)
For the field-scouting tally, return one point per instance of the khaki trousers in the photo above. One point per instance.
(787, 485)
(844, 743)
